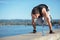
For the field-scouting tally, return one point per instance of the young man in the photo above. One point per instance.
(39, 12)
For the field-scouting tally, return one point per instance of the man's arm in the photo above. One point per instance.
(33, 22)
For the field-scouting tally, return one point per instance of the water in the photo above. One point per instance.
(19, 29)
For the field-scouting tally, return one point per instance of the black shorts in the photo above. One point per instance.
(39, 8)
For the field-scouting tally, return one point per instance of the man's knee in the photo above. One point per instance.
(44, 11)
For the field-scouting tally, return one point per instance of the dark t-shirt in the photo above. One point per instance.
(39, 9)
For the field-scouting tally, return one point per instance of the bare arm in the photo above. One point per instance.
(33, 22)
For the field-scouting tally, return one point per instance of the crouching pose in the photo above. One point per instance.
(40, 11)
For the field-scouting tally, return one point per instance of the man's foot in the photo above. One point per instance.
(34, 31)
(51, 32)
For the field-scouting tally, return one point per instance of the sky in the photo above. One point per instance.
(21, 9)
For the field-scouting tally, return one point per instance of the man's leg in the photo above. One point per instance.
(45, 14)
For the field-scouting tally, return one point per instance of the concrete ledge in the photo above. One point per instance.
(36, 36)
(49, 37)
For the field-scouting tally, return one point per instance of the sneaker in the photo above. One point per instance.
(51, 32)
(34, 31)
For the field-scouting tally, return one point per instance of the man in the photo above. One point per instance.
(39, 12)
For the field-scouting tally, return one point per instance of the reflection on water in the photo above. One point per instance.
(19, 29)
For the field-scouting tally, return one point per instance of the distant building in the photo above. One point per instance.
(56, 21)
